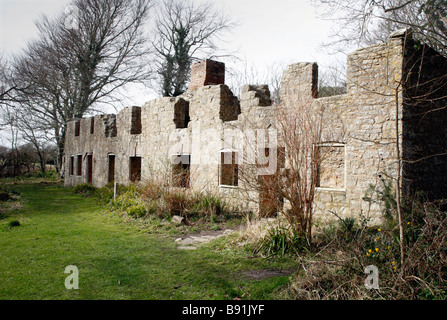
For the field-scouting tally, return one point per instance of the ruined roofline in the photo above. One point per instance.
(303, 75)
(367, 69)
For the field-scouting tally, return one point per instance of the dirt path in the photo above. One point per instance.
(192, 241)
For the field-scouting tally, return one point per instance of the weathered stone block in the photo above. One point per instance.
(207, 72)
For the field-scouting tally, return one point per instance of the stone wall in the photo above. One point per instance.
(207, 72)
(364, 120)
(362, 130)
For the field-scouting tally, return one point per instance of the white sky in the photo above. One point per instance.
(270, 31)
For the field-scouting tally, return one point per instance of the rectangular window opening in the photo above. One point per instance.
(135, 125)
(77, 128)
(181, 114)
(181, 171)
(135, 169)
(79, 163)
(229, 169)
(92, 125)
(71, 169)
(331, 172)
(111, 171)
(90, 168)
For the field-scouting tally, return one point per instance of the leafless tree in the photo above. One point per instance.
(300, 123)
(332, 81)
(185, 30)
(244, 73)
(80, 59)
(288, 184)
(6, 88)
(367, 22)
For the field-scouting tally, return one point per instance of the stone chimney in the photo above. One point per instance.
(300, 80)
(207, 72)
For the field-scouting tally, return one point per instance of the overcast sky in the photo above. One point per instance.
(269, 31)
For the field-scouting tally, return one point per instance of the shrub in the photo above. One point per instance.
(6, 193)
(157, 202)
(179, 203)
(105, 193)
(210, 206)
(281, 241)
(4, 196)
(125, 201)
(152, 208)
(152, 191)
(338, 273)
(384, 194)
(85, 189)
(13, 224)
(51, 174)
(136, 211)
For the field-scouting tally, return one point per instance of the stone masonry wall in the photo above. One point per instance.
(207, 72)
(365, 119)
(208, 120)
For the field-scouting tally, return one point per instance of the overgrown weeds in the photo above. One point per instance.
(10, 200)
(84, 189)
(333, 265)
(281, 241)
(335, 269)
(14, 224)
(154, 204)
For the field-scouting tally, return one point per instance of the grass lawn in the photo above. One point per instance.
(116, 260)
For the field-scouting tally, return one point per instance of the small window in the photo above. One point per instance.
(92, 125)
(181, 114)
(89, 168)
(71, 169)
(331, 173)
(181, 171)
(77, 128)
(111, 172)
(110, 130)
(135, 124)
(229, 170)
(79, 165)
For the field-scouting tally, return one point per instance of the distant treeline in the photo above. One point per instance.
(24, 160)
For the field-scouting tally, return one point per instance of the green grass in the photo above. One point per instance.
(116, 260)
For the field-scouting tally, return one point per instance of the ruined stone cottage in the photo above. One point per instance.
(396, 92)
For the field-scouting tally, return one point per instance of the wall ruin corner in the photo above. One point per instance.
(207, 72)
(260, 93)
(300, 80)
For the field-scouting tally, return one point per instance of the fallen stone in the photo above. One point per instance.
(177, 219)
(187, 248)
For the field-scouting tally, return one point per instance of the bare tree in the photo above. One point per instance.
(286, 172)
(367, 22)
(185, 30)
(9, 118)
(36, 136)
(6, 88)
(300, 123)
(332, 81)
(245, 73)
(81, 59)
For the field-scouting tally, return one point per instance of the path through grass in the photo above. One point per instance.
(115, 260)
